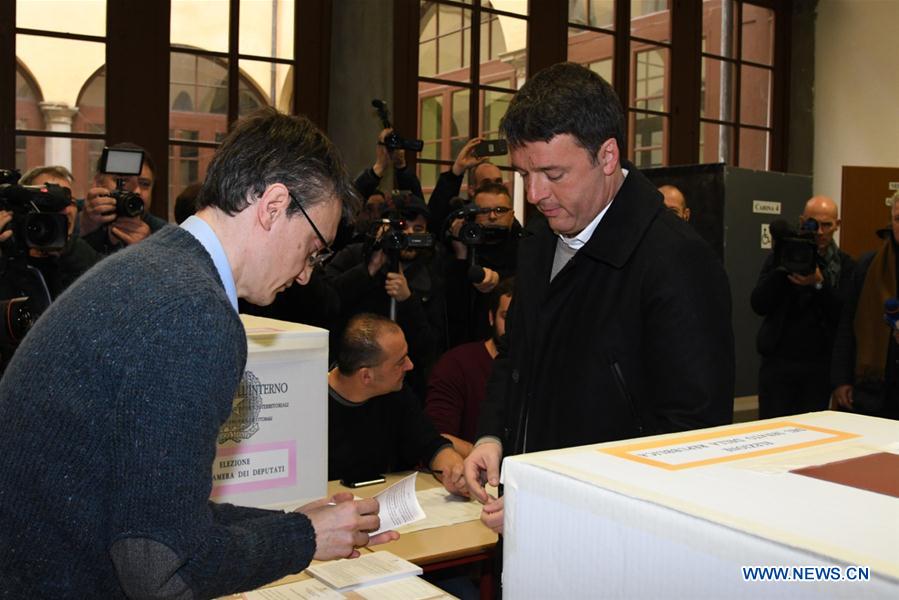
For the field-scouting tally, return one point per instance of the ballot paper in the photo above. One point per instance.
(443, 508)
(308, 589)
(399, 505)
(351, 573)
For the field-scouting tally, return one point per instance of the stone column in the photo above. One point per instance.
(59, 117)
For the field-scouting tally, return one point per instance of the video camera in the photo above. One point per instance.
(395, 239)
(37, 221)
(795, 250)
(473, 233)
(394, 141)
(123, 162)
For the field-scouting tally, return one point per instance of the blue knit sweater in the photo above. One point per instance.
(109, 414)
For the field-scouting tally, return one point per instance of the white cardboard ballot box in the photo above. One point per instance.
(273, 450)
(681, 515)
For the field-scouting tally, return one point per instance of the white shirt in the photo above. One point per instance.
(201, 230)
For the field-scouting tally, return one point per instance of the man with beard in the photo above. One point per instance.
(458, 381)
(480, 262)
(374, 277)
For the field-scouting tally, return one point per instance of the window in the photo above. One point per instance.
(458, 99)
(200, 84)
(60, 86)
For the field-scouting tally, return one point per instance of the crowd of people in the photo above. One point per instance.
(458, 336)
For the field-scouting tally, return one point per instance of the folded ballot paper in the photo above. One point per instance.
(399, 505)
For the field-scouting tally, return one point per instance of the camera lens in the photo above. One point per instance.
(42, 231)
(17, 316)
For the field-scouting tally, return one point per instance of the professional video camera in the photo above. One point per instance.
(473, 233)
(124, 162)
(37, 221)
(795, 250)
(393, 141)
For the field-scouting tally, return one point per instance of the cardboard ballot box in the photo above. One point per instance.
(691, 515)
(273, 450)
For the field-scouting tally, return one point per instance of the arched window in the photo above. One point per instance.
(29, 150)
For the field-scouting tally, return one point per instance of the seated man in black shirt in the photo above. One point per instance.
(375, 423)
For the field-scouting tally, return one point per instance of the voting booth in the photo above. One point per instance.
(700, 514)
(273, 450)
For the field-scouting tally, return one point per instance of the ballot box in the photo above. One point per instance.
(805, 506)
(273, 450)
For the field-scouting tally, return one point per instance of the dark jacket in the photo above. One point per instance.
(633, 336)
(447, 188)
(99, 238)
(422, 316)
(800, 322)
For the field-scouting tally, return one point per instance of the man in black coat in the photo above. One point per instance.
(620, 326)
(802, 311)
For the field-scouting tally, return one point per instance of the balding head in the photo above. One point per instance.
(823, 210)
(675, 201)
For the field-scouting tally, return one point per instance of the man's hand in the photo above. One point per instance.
(810, 279)
(397, 287)
(382, 156)
(5, 218)
(99, 210)
(466, 158)
(483, 464)
(492, 514)
(130, 230)
(342, 525)
(491, 279)
(449, 464)
(460, 250)
(843, 397)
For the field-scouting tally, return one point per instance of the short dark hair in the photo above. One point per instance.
(565, 98)
(186, 202)
(148, 158)
(359, 346)
(268, 147)
(492, 187)
(503, 288)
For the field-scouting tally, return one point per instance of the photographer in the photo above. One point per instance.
(405, 179)
(371, 276)
(47, 257)
(480, 170)
(801, 312)
(865, 370)
(484, 244)
(102, 226)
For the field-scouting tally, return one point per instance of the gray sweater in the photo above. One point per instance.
(109, 413)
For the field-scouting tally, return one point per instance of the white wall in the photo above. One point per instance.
(856, 88)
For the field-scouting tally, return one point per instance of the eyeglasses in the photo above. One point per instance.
(497, 211)
(319, 257)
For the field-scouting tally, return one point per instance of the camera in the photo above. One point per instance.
(37, 223)
(396, 239)
(473, 233)
(795, 250)
(124, 162)
(394, 141)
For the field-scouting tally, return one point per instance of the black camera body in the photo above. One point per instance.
(394, 141)
(123, 162)
(473, 233)
(37, 222)
(795, 250)
(127, 204)
(395, 239)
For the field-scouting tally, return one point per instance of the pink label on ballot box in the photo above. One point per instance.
(254, 467)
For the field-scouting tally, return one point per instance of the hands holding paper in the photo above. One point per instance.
(481, 466)
(342, 524)
(448, 467)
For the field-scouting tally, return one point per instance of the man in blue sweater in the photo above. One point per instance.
(112, 405)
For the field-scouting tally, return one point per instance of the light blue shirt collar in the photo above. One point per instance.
(201, 230)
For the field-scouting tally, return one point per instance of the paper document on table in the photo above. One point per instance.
(308, 589)
(410, 588)
(399, 504)
(443, 508)
(350, 573)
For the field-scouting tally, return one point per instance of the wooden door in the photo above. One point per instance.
(863, 209)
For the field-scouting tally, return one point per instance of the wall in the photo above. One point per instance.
(856, 62)
(361, 69)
